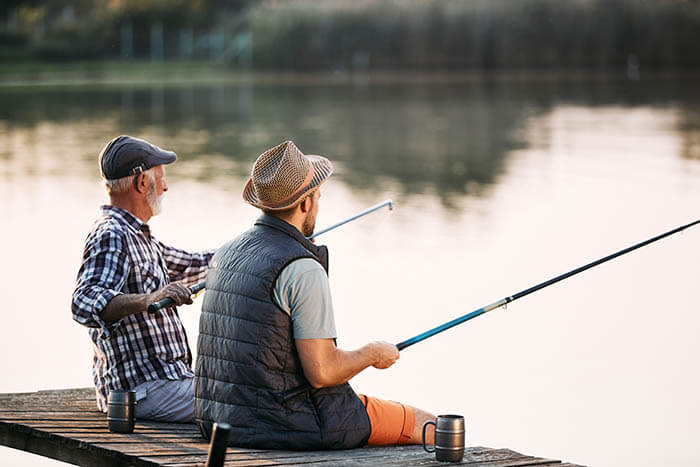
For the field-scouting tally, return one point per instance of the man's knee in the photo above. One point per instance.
(393, 422)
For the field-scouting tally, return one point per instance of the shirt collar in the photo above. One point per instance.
(125, 217)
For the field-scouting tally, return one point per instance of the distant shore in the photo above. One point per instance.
(362, 36)
(205, 73)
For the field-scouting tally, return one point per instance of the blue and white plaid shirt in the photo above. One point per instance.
(121, 257)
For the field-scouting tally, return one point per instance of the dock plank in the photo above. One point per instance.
(384, 456)
(65, 425)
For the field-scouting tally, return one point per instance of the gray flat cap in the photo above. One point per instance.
(126, 155)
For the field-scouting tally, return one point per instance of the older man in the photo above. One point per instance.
(267, 361)
(124, 269)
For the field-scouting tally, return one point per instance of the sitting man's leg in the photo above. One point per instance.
(396, 423)
(165, 400)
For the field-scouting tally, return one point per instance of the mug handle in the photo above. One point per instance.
(425, 425)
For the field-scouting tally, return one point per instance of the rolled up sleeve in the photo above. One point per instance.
(101, 277)
(184, 266)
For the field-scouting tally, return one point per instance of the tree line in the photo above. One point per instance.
(339, 35)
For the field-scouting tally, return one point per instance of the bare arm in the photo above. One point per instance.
(129, 304)
(326, 365)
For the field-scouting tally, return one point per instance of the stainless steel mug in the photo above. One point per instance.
(449, 438)
(120, 411)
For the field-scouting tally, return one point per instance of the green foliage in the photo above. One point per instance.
(84, 29)
(364, 34)
(476, 34)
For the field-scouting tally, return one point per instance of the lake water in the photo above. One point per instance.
(498, 185)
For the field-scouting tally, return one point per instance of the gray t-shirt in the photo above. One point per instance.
(302, 290)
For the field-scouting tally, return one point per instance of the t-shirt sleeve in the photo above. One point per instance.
(303, 291)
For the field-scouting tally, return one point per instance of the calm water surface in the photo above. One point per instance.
(498, 186)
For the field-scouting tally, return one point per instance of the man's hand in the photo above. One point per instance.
(326, 365)
(178, 292)
(130, 304)
(386, 354)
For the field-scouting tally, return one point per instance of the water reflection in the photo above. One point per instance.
(689, 131)
(449, 138)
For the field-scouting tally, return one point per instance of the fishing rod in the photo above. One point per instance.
(284, 396)
(195, 289)
(388, 202)
(504, 301)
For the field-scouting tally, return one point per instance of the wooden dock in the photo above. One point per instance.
(65, 425)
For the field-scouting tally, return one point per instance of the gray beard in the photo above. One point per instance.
(154, 202)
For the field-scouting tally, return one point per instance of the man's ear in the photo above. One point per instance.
(305, 204)
(140, 183)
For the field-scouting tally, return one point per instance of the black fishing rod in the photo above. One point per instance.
(507, 300)
(294, 392)
(195, 289)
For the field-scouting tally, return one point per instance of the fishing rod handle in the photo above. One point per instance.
(166, 302)
(220, 434)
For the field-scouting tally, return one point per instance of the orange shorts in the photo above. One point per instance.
(391, 422)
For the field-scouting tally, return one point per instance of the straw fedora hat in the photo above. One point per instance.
(283, 175)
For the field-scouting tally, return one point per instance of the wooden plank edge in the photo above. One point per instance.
(64, 449)
(397, 455)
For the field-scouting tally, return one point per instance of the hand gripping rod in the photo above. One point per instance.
(505, 301)
(153, 307)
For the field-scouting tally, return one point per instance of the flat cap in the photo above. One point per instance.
(126, 155)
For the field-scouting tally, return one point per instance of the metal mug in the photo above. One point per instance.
(449, 438)
(120, 411)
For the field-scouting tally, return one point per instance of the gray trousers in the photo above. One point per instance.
(165, 400)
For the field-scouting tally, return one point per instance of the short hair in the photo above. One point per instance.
(122, 185)
(282, 213)
(286, 213)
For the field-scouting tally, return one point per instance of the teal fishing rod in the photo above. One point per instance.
(286, 395)
(294, 392)
(195, 289)
(535, 288)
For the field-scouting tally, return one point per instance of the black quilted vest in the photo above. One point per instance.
(248, 372)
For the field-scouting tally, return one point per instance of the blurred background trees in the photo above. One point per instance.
(360, 34)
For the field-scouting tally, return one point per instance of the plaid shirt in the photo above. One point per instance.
(121, 257)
